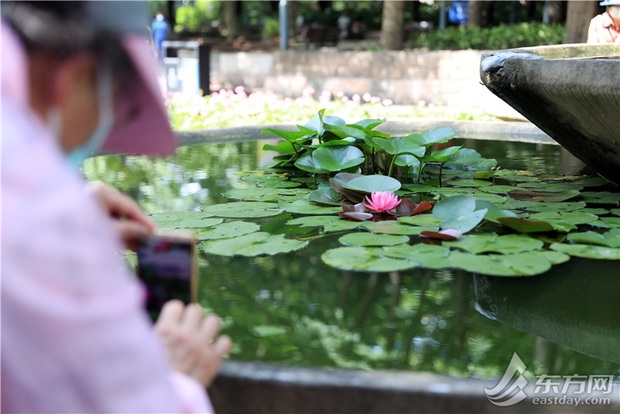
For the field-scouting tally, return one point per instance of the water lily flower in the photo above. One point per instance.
(381, 202)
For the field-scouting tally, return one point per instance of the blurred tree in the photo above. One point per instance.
(392, 25)
(474, 14)
(578, 19)
(231, 11)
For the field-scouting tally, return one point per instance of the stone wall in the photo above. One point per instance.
(448, 78)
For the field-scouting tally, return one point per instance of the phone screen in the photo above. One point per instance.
(166, 266)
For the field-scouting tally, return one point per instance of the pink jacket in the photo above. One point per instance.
(74, 336)
(602, 30)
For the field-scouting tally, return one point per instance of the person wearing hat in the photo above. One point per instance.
(78, 77)
(605, 28)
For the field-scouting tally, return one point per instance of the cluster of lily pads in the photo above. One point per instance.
(438, 208)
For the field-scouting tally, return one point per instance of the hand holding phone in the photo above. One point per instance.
(167, 267)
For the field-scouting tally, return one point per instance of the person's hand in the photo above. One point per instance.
(127, 216)
(190, 340)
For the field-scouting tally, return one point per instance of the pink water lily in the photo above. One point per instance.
(381, 202)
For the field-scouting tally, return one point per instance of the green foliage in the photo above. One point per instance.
(491, 38)
(271, 28)
(197, 17)
(327, 144)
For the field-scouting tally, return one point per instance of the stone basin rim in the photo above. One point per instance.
(481, 130)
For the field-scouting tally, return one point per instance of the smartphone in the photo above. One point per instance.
(167, 268)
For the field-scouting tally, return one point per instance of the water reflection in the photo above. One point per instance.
(293, 309)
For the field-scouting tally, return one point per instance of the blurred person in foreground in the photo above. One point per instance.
(78, 77)
(605, 28)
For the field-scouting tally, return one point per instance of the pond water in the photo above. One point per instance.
(293, 309)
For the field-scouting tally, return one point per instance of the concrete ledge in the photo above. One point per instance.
(257, 388)
(506, 131)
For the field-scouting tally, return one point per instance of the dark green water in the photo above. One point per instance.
(292, 309)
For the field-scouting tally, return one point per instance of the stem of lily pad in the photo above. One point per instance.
(440, 170)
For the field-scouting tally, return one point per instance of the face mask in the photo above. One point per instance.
(105, 100)
(160, 18)
(614, 11)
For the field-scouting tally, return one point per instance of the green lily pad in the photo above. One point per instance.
(587, 251)
(341, 225)
(595, 211)
(312, 221)
(520, 264)
(434, 136)
(426, 220)
(600, 197)
(557, 207)
(373, 183)
(465, 222)
(469, 183)
(363, 259)
(191, 222)
(523, 225)
(400, 146)
(455, 206)
(615, 211)
(493, 212)
(305, 207)
(556, 187)
(270, 180)
(228, 230)
(326, 196)
(607, 222)
(261, 194)
(338, 158)
(244, 209)
(607, 239)
(545, 196)
(393, 227)
(572, 217)
(253, 244)
(499, 189)
(171, 217)
(485, 243)
(371, 239)
(423, 255)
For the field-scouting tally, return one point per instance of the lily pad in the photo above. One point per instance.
(520, 264)
(607, 239)
(485, 243)
(455, 206)
(363, 260)
(469, 183)
(523, 225)
(393, 227)
(426, 220)
(545, 196)
(373, 183)
(253, 244)
(244, 209)
(499, 189)
(312, 221)
(557, 207)
(262, 194)
(370, 239)
(465, 222)
(191, 222)
(587, 251)
(338, 159)
(270, 180)
(615, 211)
(305, 207)
(326, 196)
(572, 217)
(341, 225)
(607, 222)
(600, 197)
(228, 230)
(423, 255)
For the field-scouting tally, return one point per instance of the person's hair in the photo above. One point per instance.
(60, 28)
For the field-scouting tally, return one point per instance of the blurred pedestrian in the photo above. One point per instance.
(77, 76)
(605, 28)
(159, 32)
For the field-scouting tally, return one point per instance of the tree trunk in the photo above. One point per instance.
(474, 11)
(555, 11)
(231, 18)
(392, 24)
(171, 14)
(578, 19)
